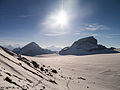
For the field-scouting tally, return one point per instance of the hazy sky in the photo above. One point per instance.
(24, 21)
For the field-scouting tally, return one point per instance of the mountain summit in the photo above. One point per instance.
(32, 44)
(85, 43)
(32, 49)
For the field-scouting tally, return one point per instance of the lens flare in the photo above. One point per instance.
(61, 18)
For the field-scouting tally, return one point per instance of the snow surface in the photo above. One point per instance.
(88, 72)
(101, 71)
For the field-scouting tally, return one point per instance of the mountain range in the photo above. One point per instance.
(84, 46)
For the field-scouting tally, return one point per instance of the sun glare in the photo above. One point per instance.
(61, 19)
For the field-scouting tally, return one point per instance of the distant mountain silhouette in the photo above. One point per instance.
(53, 48)
(9, 47)
(32, 49)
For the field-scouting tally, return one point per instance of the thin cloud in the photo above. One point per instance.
(77, 33)
(5, 41)
(89, 27)
(54, 34)
(94, 27)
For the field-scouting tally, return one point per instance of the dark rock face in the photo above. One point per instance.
(84, 46)
(35, 64)
(91, 40)
(85, 43)
(16, 50)
(54, 71)
(100, 47)
(32, 49)
(8, 79)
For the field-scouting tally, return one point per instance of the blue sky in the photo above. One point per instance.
(24, 21)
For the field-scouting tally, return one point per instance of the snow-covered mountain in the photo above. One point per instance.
(84, 46)
(9, 47)
(53, 48)
(32, 49)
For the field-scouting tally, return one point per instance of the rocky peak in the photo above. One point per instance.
(90, 39)
(85, 43)
(32, 44)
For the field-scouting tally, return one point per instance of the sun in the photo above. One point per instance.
(61, 19)
(58, 19)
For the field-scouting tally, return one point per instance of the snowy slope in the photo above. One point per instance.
(55, 72)
(88, 72)
(17, 72)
